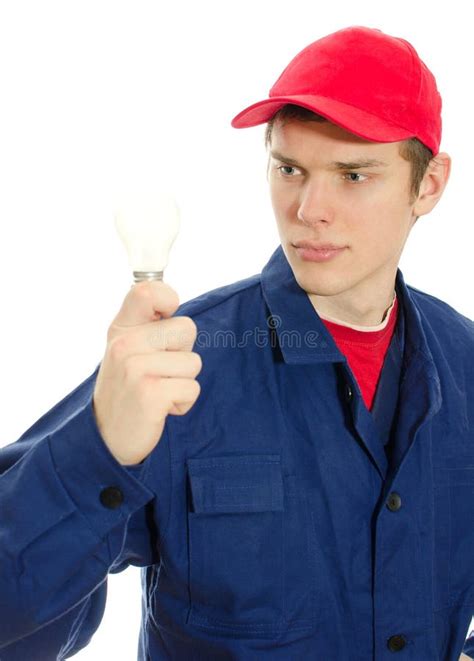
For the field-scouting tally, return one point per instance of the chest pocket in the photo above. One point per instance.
(250, 548)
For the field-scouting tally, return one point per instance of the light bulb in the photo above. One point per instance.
(148, 224)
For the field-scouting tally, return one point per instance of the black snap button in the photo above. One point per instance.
(111, 497)
(348, 392)
(396, 643)
(394, 502)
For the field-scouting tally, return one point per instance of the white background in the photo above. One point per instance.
(98, 95)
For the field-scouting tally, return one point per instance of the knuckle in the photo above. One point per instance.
(145, 388)
(196, 387)
(143, 290)
(118, 348)
(189, 327)
(129, 369)
(197, 362)
(156, 291)
(151, 393)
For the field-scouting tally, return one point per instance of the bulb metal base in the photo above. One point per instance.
(140, 276)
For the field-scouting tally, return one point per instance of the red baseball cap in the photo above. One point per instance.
(367, 82)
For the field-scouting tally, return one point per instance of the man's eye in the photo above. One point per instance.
(354, 177)
(355, 174)
(281, 168)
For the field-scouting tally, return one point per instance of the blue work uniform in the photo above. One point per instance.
(279, 518)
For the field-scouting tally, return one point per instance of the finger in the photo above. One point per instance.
(147, 301)
(174, 334)
(181, 394)
(174, 395)
(164, 365)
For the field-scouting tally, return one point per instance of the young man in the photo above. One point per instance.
(311, 496)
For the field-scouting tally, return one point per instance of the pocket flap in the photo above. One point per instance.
(249, 483)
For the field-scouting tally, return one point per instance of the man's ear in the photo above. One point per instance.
(433, 184)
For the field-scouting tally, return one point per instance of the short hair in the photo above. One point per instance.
(412, 150)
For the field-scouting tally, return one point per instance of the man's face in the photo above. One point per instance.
(366, 209)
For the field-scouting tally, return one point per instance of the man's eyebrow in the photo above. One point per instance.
(337, 165)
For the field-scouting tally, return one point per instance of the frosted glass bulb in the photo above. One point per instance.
(148, 224)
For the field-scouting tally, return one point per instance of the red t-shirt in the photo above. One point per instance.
(365, 349)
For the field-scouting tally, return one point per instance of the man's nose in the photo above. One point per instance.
(315, 203)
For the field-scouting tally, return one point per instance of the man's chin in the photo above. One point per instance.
(318, 282)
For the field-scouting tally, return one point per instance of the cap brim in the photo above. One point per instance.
(352, 119)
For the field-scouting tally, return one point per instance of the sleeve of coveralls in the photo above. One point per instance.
(58, 538)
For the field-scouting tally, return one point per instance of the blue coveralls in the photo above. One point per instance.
(279, 518)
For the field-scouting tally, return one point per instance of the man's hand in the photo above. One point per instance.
(148, 372)
(464, 657)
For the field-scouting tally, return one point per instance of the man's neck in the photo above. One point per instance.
(358, 311)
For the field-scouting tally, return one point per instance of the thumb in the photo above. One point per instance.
(146, 301)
